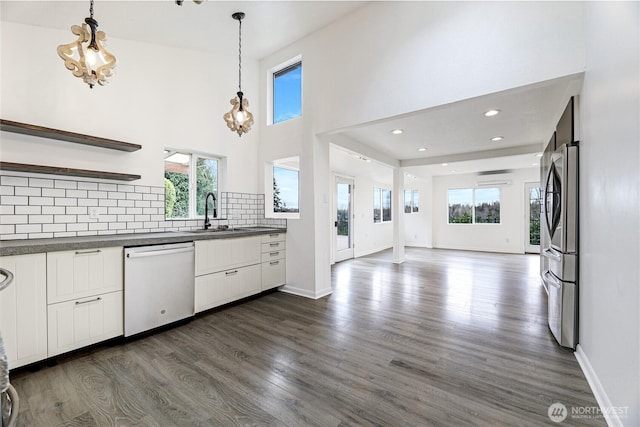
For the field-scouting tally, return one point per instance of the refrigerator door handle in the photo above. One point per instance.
(552, 253)
(550, 279)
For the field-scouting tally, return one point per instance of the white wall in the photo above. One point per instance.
(370, 237)
(422, 55)
(159, 97)
(508, 236)
(417, 226)
(609, 210)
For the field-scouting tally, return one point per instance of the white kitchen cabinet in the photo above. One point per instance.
(224, 254)
(84, 297)
(84, 321)
(226, 286)
(273, 260)
(23, 309)
(83, 273)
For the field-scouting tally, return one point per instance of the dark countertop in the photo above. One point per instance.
(32, 246)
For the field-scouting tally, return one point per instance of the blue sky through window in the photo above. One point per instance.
(287, 183)
(287, 93)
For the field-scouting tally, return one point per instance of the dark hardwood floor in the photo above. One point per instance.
(448, 338)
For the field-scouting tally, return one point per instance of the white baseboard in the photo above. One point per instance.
(612, 419)
(305, 292)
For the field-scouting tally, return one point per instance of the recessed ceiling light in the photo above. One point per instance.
(445, 164)
(534, 164)
(422, 149)
(539, 155)
(491, 113)
(397, 131)
(497, 138)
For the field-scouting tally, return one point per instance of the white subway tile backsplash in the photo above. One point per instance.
(79, 194)
(40, 219)
(34, 207)
(28, 210)
(53, 210)
(53, 192)
(54, 227)
(41, 201)
(27, 191)
(28, 228)
(14, 200)
(107, 187)
(87, 185)
(66, 219)
(87, 202)
(71, 185)
(65, 201)
(14, 219)
(14, 180)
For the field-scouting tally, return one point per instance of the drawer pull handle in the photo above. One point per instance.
(229, 273)
(273, 245)
(274, 235)
(91, 300)
(97, 251)
(274, 253)
(274, 262)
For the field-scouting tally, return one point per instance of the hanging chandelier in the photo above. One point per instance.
(239, 119)
(86, 57)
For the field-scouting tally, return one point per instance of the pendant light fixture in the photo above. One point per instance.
(86, 57)
(239, 119)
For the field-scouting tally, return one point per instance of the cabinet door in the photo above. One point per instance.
(79, 323)
(225, 254)
(273, 273)
(23, 310)
(220, 288)
(83, 273)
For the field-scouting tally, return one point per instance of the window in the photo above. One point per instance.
(381, 205)
(285, 190)
(479, 206)
(287, 93)
(411, 201)
(487, 205)
(184, 171)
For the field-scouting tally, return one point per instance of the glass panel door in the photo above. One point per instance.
(533, 199)
(344, 219)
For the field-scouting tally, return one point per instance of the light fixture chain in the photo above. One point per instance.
(91, 9)
(240, 55)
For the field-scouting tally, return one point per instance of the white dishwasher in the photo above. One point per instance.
(159, 286)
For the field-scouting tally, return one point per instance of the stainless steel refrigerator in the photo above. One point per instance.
(559, 250)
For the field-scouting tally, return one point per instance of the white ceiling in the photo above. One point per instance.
(267, 27)
(458, 133)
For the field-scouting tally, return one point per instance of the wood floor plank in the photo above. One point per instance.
(448, 338)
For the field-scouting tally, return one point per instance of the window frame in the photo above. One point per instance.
(414, 201)
(289, 163)
(381, 199)
(194, 156)
(473, 205)
(271, 76)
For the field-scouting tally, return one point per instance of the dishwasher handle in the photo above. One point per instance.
(158, 252)
(8, 278)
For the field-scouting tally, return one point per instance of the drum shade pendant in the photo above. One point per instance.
(239, 119)
(86, 57)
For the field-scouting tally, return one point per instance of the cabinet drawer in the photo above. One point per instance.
(273, 255)
(273, 274)
(272, 247)
(224, 254)
(83, 273)
(273, 237)
(82, 322)
(220, 288)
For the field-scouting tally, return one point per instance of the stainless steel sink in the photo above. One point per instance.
(212, 230)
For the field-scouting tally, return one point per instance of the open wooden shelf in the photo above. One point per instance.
(53, 170)
(78, 138)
